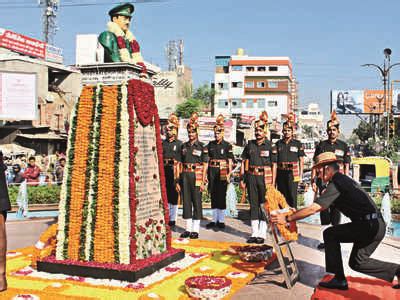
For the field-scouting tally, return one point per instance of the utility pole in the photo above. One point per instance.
(49, 18)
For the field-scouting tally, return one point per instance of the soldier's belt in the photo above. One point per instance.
(168, 161)
(253, 170)
(188, 167)
(216, 162)
(286, 166)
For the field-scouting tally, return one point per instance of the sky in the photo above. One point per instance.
(327, 41)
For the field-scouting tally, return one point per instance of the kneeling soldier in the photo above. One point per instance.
(219, 169)
(258, 171)
(194, 159)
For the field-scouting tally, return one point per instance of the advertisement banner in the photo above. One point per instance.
(347, 101)
(374, 102)
(396, 101)
(54, 54)
(206, 130)
(22, 44)
(18, 97)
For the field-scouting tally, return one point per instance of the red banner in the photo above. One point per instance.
(22, 44)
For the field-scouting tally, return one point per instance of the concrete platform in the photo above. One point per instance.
(270, 286)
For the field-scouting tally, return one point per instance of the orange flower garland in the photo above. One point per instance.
(46, 244)
(78, 194)
(104, 228)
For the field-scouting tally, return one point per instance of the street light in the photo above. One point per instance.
(385, 72)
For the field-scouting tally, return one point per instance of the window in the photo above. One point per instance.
(237, 68)
(274, 68)
(272, 84)
(272, 103)
(222, 85)
(261, 69)
(249, 103)
(249, 84)
(261, 103)
(250, 69)
(237, 84)
(260, 84)
(223, 103)
(235, 103)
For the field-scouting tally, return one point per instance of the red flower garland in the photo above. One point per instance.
(135, 46)
(208, 282)
(121, 42)
(132, 195)
(142, 94)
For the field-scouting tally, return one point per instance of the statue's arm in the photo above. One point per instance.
(109, 41)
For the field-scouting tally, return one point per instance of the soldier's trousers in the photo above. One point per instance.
(256, 193)
(366, 236)
(286, 185)
(217, 189)
(172, 194)
(191, 195)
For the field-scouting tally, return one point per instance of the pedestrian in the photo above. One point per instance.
(366, 229)
(290, 162)
(171, 154)
(342, 152)
(219, 169)
(60, 170)
(17, 175)
(32, 172)
(194, 158)
(257, 172)
(4, 207)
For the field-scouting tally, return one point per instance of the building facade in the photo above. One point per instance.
(311, 116)
(248, 85)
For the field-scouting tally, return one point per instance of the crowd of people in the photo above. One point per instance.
(35, 170)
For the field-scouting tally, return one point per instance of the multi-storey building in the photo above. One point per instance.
(250, 84)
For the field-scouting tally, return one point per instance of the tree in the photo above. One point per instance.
(364, 131)
(185, 109)
(204, 93)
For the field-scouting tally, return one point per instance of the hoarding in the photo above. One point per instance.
(207, 130)
(18, 97)
(28, 46)
(364, 101)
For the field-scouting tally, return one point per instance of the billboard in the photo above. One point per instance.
(364, 101)
(18, 97)
(28, 46)
(206, 130)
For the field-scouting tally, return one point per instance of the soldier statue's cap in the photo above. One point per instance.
(125, 9)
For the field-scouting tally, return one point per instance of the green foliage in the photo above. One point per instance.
(185, 109)
(37, 194)
(364, 131)
(204, 93)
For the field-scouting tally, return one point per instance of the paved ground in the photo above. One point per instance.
(309, 259)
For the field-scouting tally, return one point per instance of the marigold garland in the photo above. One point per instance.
(78, 193)
(45, 245)
(104, 229)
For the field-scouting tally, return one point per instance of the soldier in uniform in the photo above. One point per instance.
(171, 154)
(290, 162)
(366, 229)
(219, 168)
(342, 152)
(258, 170)
(194, 158)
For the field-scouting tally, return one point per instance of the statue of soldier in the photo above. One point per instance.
(119, 43)
(171, 154)
(219, 168)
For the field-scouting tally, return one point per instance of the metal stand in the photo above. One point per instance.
(287, 263)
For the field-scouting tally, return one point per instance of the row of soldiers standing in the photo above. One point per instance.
(190, 166)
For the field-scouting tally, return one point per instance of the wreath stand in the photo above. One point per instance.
(287, 263)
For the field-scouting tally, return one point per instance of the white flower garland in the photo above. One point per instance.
(124, 222)
(63, 194)
(124, 52)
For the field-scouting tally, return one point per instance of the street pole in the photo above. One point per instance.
(385, 73)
